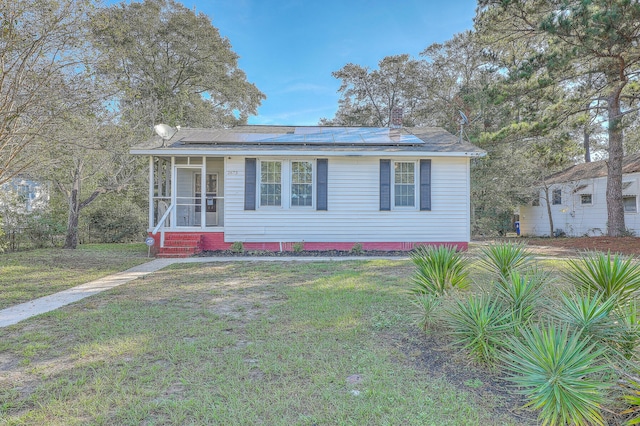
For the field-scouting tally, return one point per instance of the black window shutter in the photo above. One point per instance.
(249, 183)
(385, 184)
(425, 184)
(321, 183)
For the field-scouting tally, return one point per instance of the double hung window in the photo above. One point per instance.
(404, 184)
(301, 184)
(270, 183)
(286, 183)
(630, 204)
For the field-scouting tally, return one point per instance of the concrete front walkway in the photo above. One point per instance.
(17, 313)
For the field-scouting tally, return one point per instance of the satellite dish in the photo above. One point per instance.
(166, 132)
(465, 120)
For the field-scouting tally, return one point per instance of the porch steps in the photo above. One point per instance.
(180, 245)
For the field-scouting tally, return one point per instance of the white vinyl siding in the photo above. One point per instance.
(577, 219)
(353, 191)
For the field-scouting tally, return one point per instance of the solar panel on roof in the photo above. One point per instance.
(313, 136)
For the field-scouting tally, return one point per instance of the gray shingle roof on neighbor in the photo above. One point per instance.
(312, 138)
(594, 169)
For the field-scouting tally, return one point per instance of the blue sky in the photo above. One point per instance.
(289, 48)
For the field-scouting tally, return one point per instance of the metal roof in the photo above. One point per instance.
(310, 138)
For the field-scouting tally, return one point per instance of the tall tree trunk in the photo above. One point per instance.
(71, 239)
(546, 198)
(586, 144)
(615, 208)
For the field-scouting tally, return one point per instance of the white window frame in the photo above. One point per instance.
(259, 184)
(582, 203)
(553, 198)
(313, 183)
(636, 204)
(416, 201)
(286, 180)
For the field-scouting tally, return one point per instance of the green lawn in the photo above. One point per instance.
(238, 344)
(30, 274)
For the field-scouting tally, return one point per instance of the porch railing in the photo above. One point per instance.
(160, 226)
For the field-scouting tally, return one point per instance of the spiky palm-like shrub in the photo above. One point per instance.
(479, 324)
(502, 259)
(588, 313)
(610, 276)
(555, 371)
(438, 270)
(521, 292)
(427, 305)
(628, 327)
(632, 398)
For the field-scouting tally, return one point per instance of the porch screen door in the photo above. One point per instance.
(187, 214)
(211, 194)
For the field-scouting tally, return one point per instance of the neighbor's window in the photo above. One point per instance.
(586, 199)
(536, 201)
(556, 197)
(301, 183)
(270, 183)
(630, 205)
(404, 184)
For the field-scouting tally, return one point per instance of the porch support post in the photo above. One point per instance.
(203, 194)
(151, 194)
(167, 179)
(173, 192)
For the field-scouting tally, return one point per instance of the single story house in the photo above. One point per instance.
(325, 188)
(578, 197)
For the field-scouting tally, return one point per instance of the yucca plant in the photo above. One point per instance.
(438, 270)
(632, 398)
(628, 326)
(479, 324)
(427, 305)
(588, 313)
(555, 371)
(521, 292)
(502, 259)
(610, 276)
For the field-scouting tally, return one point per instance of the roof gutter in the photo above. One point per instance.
(306, 153)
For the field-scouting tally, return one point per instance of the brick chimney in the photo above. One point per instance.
(396, 118)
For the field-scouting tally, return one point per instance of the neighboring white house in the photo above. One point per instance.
(271, 187)
(23, 195)
(579, 203)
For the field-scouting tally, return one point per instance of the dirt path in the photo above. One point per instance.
(573, 246)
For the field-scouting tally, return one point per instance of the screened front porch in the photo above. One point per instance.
(186, 193)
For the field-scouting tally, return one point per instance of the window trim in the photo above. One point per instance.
(553, 197)
(286, 182)
(313, 183)
(416, 183)
(259, 184)
(582, 203)
(636, 204)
